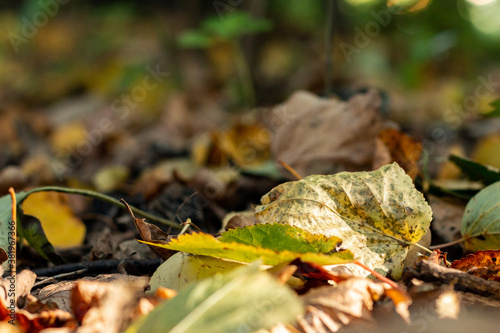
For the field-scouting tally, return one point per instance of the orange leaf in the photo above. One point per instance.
(485, 264)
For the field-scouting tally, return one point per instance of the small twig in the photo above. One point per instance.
(378, 275)
(99, 266)
(291, 170)
(178, 210)
(58, 277)
(105, 198)
(457, 241)
(189, 223)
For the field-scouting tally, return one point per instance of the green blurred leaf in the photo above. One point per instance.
(194, 39)
(243, 300)
(407, 6)
(235, 24)
(273, 243)
(476, 171)
(481, 220)
(496, 109)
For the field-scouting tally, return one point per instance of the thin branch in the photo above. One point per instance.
(457, 241)
(105, 198)
(290, 169)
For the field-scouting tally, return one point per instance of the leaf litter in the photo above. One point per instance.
(337, 214)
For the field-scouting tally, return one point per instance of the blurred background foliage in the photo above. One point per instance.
(428, 56)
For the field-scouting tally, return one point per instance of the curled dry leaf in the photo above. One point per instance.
(152, 234)
(331, 308)
(317, 135)
(485, 264)
(24, 282)
(377, 214)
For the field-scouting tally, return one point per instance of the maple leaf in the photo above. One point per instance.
(377, 214)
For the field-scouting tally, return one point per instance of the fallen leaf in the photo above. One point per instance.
(377, 214)
(68, 137)
(395, 146)
(183, 268)
(485, 264)
(481, 220)
(330, 308)
(62, 227)
(244, 299)
(31, 229)
(243, 144)
(274, 244)
(235, 220)
(317, 135)
(487, 150)
(110, 177)
(24, 281)
(45, 320)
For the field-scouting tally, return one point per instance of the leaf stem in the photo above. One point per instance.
(421, 247)
(457, 241)
(378, 275)
(103, 197)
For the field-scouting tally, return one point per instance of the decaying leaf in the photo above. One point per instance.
(243, 300)
(485, 264)
(330, 308)
(481, 220)
(377, 214)
(274, 244)
(395, 146)
(317, 135)
(183, 268)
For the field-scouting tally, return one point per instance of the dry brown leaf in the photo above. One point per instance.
(235, 220)
(24, 282)
(105, 307)
(395, 146)
(485, 264)
(330, 308)
(315, 135)
(151, 233)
